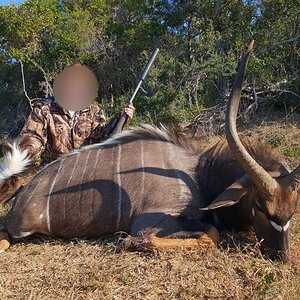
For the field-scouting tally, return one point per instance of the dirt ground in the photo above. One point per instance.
(39, 268)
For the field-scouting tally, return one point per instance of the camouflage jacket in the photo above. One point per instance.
(57, 132)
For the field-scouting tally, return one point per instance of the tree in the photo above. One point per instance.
(201, 43)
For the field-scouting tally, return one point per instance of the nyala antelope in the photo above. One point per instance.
(154, 185)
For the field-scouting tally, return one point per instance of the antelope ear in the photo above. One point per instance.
(231, 195)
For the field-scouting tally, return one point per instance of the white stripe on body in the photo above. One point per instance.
(162, 159)
(181, 183)
(67, 186)
(49, 196)
(119, 204)
(82, 178)
(143, 170)
(286, 226)
(93, 181)
(25, 190)
(162, 165)
(25, 204)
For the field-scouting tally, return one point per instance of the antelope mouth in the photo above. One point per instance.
(275, 255)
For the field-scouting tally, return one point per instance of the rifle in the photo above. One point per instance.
(117, 124)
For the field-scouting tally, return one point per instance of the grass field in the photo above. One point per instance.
(39, 268)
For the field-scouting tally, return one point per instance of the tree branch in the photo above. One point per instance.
(271, 47)
(49, 91)
(24, 85)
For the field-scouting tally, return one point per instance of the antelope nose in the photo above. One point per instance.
(277, 253)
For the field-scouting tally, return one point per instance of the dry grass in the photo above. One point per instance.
(46, 269)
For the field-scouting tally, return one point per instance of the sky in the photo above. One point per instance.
(7, 2)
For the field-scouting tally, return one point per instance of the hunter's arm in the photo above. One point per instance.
(36, 127)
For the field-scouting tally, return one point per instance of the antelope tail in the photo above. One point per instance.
(15, 161)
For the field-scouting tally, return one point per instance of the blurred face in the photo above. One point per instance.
(75, 88)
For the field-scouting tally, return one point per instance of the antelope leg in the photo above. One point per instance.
(157, 230)
(174, 235)
(4, 240)
(187, 240)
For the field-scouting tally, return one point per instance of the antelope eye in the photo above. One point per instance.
(259, 207)
(256, 207)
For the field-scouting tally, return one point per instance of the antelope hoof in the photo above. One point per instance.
(133, 243)
(210, 237)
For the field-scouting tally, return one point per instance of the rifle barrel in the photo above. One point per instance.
(144, 74)
(123, 118)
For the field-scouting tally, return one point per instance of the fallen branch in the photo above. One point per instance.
(211, 121)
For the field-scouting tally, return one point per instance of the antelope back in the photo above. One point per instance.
(99, 190)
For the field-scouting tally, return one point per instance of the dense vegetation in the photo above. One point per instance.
(200, 42)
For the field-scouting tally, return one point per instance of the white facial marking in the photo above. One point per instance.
(253, 212)
(286, 226)
(276, 226)
(280, 228)
(41, 216)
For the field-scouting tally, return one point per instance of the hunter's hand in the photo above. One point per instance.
(129, 110)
